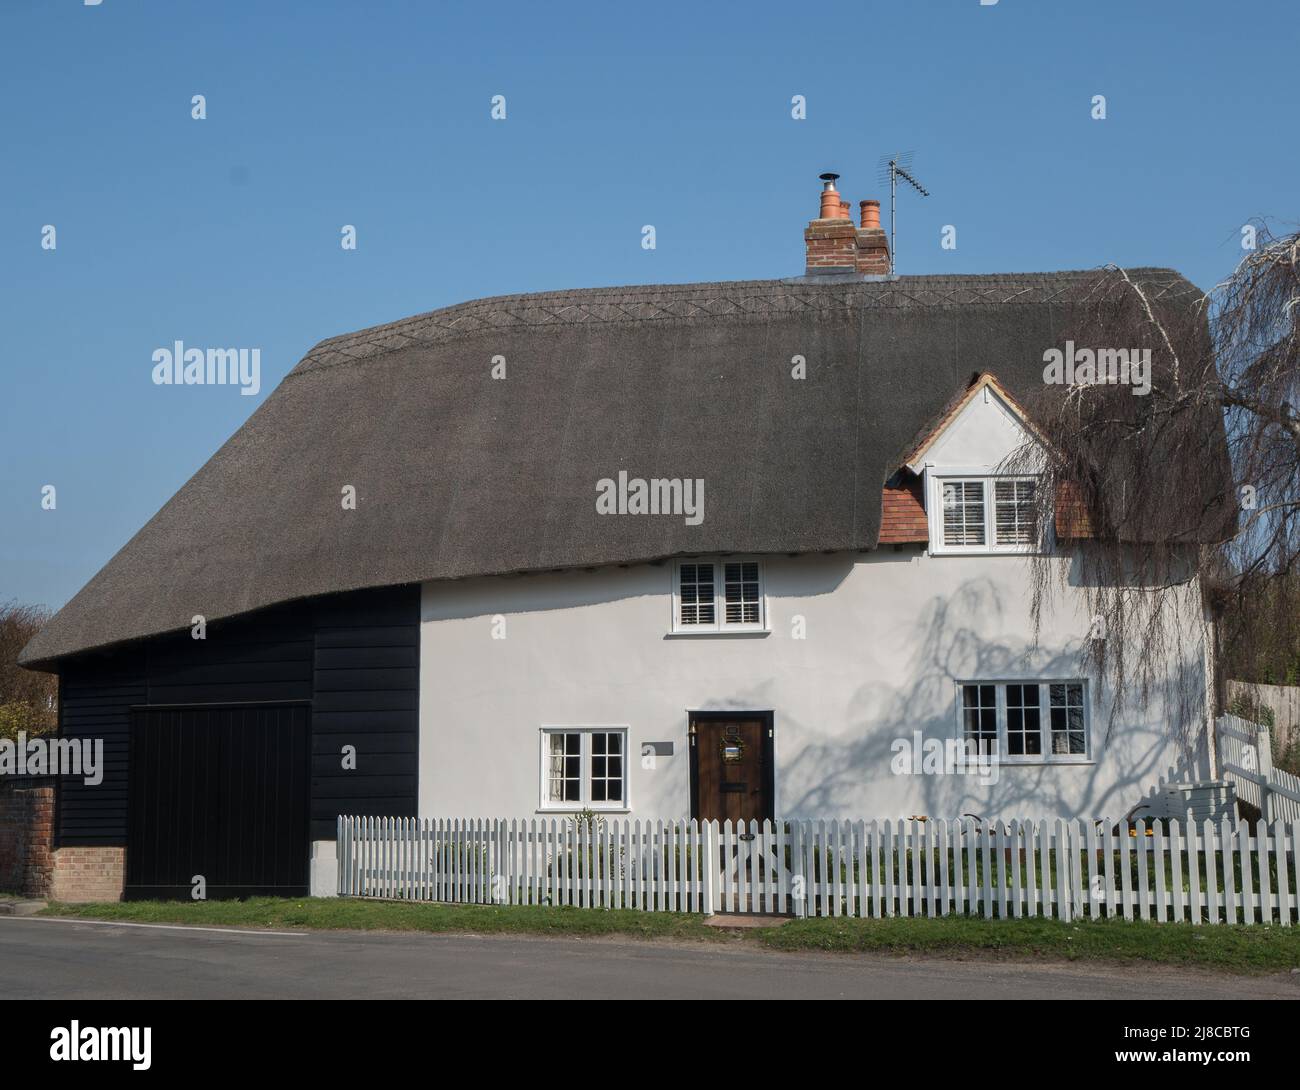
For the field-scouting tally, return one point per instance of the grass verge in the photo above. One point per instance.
(1256, 949)
(1225, 949)
(333, 913)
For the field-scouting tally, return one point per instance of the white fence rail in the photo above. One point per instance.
(1246, 759)
(1229, 872)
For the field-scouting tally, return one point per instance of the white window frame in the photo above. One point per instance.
(584, 801)
(937, 477)
(1046, 756)
(719, 624)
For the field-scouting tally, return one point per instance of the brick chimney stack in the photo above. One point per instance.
(834, 245)
(873, 243)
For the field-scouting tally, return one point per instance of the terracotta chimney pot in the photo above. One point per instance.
(830, 198)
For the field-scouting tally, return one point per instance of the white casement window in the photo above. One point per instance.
(963, 513)
(979, 710)
(584, 767)
(696, 595)
(1068, 719)
(1026, 722)
(983, 514)
(1013, 512)
(718, 596)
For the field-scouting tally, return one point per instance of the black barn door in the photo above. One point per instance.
(221, 792)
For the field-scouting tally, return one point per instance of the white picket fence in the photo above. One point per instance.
(1168, 870)
(1246, 759)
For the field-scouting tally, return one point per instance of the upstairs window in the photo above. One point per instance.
(719, 596)
(983, 514)
(697, 604)
(740, 593)
(1013, 512)
(963, 512)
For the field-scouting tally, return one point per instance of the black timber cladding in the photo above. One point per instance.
(220, 792)
(366, 689)
(354, 657)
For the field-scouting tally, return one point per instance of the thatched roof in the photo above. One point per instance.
(459, 474)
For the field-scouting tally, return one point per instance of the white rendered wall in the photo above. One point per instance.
(888, 636)
(985, 432)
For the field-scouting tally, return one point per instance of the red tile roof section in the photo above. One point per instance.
(902, 514)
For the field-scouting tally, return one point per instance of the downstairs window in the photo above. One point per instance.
(584, 767)
(1026, 722)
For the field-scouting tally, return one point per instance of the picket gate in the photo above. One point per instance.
(1162, 870)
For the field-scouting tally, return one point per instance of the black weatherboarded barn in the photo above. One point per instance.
(224, 756)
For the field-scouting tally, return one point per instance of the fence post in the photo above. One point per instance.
(340, 854)
(1064, 884)
(1264, 753)
(709, 861)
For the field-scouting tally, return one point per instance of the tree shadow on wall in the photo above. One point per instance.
(831, 777)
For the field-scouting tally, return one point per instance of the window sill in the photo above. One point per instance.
(574, 811)
(1006, 551)
(1020, 762)
(723, 633)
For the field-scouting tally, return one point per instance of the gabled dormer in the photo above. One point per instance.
(959, 489)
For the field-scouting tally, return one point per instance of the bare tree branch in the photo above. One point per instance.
(1190, 494)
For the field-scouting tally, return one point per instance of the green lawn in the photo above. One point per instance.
(1230, 949)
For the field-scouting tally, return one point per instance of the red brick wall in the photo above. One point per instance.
(30, 865)
(872, 256)
(26, 836)
(831, 244)
(837, 244)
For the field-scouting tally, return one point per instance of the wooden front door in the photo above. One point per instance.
(731, 766)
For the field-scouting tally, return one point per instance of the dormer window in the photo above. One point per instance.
(972, 503)
(963, 513)
(1013, 511)
(982, 514)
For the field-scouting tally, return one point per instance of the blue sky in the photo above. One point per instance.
(226, 231)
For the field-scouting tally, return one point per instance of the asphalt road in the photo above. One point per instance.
(55, 959)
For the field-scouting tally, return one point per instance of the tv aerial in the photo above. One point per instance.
(898, 165)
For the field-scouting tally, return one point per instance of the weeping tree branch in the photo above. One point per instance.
(1186, 497)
